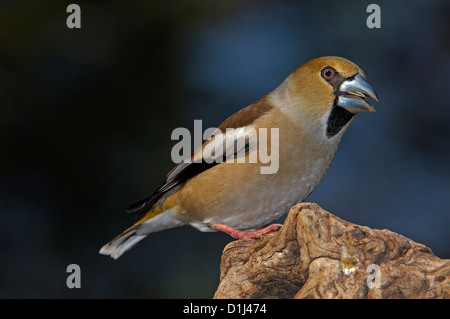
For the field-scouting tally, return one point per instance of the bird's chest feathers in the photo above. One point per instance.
(304, 160)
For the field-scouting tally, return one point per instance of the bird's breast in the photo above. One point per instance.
(239, 195)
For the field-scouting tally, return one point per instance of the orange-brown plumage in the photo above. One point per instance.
(305, 117)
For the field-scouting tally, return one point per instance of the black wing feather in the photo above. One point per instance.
(183, 176)
(180, 175)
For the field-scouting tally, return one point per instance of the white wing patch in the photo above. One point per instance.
(233, 145)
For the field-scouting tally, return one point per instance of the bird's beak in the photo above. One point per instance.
(352, 95)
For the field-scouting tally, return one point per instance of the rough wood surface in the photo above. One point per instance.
(318, 255)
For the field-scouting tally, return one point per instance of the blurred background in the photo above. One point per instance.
(86, 116)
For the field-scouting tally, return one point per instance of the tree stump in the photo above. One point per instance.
(318, 255)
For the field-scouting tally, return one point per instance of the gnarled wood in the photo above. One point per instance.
(318, 255)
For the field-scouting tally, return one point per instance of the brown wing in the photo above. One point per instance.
(246, 116)
(183, 172)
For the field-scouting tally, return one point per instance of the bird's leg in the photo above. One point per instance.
(240, 234)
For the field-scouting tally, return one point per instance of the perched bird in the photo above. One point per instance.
(311, 109)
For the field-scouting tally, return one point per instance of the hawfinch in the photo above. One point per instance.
(301, 123)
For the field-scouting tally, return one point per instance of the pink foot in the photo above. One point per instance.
(240, 234)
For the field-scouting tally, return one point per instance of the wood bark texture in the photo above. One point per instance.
(318, 255)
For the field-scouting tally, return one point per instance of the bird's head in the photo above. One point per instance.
(330, 88)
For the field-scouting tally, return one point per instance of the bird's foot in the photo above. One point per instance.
(240, 234)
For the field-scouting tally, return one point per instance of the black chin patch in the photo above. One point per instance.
(337, 120)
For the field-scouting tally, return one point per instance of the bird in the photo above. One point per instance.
(306, 115)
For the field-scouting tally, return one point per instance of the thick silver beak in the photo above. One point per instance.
(352, 95)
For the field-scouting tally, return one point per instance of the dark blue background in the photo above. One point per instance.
(86, 117)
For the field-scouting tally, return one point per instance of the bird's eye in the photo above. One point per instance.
(328, 72)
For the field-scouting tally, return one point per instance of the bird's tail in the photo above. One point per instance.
(152, 222)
